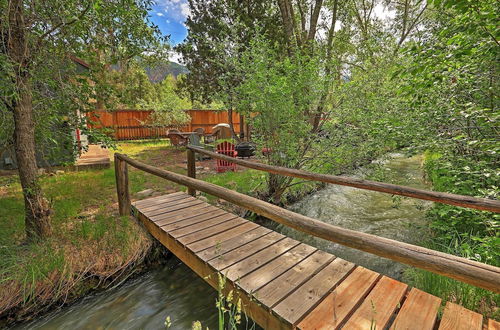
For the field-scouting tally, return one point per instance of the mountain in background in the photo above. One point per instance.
(160, 71)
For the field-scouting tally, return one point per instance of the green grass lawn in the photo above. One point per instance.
(91, 244)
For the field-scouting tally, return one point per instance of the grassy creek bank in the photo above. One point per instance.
(459, 231)
(93, 248)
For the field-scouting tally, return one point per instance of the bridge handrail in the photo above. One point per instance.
(441, 197)
(468, 271)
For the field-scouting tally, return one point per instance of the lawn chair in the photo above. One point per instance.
(176, 139)
(227, 149)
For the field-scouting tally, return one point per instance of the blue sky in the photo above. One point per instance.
(170, 15)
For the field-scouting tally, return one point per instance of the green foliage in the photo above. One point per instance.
(450, 84)
(168, 106)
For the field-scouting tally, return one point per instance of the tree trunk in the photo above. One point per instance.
(231, 124)
(37, 208)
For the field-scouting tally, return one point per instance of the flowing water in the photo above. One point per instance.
(370, 212)
(141, 303)
(176, 291)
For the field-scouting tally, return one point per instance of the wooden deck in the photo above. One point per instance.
(284, 283)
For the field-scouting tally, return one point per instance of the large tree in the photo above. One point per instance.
(33, 33)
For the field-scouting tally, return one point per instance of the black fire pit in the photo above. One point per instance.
(245, 149)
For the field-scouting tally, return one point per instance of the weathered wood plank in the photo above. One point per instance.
(192, 220)
(283, 285)
(230, 222)
(244, 251)
(298, 304)
(164, 219)
(170, 209)
(165, 204)
(419, 308)
(219, 251)
(455, 317)
(334, 309)
(257, 279)
(159, 199)
(221, 237)
(493, 325)
(248, 265)
(379, 306)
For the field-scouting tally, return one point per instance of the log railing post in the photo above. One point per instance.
(121, 174)
(191, 169)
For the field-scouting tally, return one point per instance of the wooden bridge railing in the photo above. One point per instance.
(468, 271)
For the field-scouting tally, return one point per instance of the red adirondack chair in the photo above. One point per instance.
(227, 149)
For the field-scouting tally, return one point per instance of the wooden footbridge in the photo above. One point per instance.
(284, 283)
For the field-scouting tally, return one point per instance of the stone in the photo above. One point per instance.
(145, 193)
(203, 198)
(58, 172)
(42, 171)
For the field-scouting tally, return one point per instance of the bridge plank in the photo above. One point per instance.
(204, 225)
(219, 251)
(332, 311)
(245, 251)
(210, 231)
(172, 208)
(493, 325)
(164, 204)
(192, 220)
(294, 307)
(150, 200)
(419, 308)
(248, 265)
(257, 279)
(284, 284)
(456, 317)
(183, 214)
(379, 306)
(220, 238)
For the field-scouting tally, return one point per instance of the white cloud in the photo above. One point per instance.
(185, 10)
(176, 10)
(160, 14)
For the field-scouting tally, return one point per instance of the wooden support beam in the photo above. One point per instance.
(191, 169)
(468, 271)
(440, 197)
(121, 175)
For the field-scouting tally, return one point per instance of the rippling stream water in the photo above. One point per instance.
(176, 291)
(370, 212)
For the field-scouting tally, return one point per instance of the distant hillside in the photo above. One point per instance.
(160, 71)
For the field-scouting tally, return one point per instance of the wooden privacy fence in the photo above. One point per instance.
(468, 271)
(134, 124)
